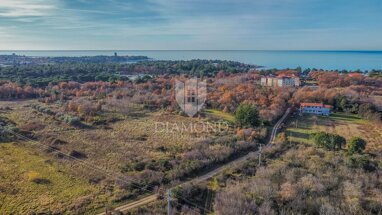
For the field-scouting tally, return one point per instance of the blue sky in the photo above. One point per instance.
(190, 24)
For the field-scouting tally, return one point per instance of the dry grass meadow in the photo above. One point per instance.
(152, 147)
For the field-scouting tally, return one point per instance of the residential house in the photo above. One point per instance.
(315, 108)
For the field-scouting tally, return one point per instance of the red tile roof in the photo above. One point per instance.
(315, 105)
(287, 76)
(281, 77)
(354, 74)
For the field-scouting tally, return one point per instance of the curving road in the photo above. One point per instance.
(210, 174)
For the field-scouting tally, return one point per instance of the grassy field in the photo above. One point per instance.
(220, 115)
(32, 183)
(130, 138)
(137, 145)
(346, 125)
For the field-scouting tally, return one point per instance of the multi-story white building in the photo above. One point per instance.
(315, 108)
(280, 81)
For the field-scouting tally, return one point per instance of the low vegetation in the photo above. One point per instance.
(135, 140)
(32, 183)
(138, 147)
(317, 173)
(305, 180)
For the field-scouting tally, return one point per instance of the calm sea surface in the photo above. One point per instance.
(350, 60)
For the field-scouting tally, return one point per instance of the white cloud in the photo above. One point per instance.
(25, 8)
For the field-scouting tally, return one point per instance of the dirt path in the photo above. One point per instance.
(135, 204)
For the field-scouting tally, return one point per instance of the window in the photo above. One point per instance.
(191, 96)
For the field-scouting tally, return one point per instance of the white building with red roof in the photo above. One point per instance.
(316, 108)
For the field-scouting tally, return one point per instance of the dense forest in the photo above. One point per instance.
(42, 75)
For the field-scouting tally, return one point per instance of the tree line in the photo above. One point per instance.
(41, 75)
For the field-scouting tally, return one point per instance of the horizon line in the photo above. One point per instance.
(270, 50)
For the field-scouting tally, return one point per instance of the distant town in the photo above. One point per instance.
(15, 59)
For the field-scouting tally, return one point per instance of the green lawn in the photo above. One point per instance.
(299, 129)
(346, 125)
(220, 115)
(347, 117)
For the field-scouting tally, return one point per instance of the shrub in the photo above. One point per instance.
(77, 154)
(43, 109)
(188, 191)
(356, 144)
(165, 164)
(126, 168)
(338, 141)
(5, 126)
(98, 120)
(288, 191)
(139, 166)
(32, 176)
(58, 142)
(70, 120)
(361, 161)
(73, 121)
(153, 166)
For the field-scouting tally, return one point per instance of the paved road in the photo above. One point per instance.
(210, 174)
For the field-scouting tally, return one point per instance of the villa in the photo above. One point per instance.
(315, 108)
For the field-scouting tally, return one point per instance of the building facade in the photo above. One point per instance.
(280, 81)
(315, 108)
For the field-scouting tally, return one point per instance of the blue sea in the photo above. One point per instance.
(331, 60)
